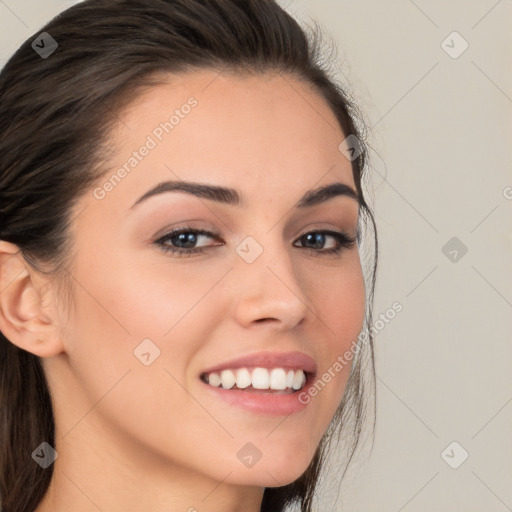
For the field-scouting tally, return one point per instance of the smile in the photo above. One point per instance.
(274, 380)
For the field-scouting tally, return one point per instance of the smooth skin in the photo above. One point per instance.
(132, 437)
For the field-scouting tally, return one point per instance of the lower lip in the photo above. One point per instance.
(262, 403)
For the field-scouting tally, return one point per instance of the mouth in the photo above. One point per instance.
(276, 381)
(263, 383)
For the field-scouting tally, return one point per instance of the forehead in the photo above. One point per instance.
(267, 134)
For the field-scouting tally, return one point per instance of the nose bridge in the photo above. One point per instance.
(269, 287)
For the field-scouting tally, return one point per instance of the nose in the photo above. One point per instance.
(269, 291)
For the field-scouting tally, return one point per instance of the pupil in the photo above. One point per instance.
(187, 238)
(319, 239)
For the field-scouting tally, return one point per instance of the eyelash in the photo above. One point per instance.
(343, 241)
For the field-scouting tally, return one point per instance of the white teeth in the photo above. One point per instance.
(260, 378)
(277, 379)
(299, 379)
(243, 378)
(228, 379)
(214, 379)
(289, 378)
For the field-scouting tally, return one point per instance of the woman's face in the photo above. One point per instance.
(147, 324)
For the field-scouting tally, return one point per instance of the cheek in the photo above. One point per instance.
(130, 302)
(343, 310)
(123, 305)
(339, 299)
(140, 298)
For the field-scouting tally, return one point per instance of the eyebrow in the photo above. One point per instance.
(232, 197)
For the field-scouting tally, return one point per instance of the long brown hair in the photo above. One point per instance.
(56, 114)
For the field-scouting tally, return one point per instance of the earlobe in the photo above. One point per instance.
(24, 319)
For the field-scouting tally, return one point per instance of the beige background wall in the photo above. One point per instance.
(441, 126)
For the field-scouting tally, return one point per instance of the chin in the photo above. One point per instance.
(272, 477)
(273, 472)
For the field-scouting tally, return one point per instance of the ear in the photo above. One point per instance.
(24, 319)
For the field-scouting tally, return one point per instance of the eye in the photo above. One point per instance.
(184, 238)
(182, 241)
(316, 238)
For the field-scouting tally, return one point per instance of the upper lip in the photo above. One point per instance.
(289, 360)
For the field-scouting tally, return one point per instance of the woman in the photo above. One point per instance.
(180, 261)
